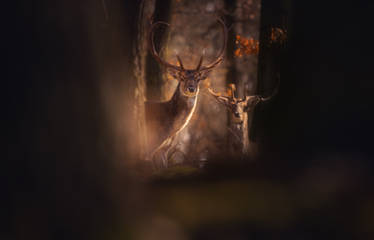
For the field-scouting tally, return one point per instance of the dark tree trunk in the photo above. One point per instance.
(271, 61)
(60, 143)
(154, 76)
(230, 21)
(231, 76)
(242, 71)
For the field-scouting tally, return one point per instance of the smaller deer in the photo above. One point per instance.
(238, 111)
(166, 119)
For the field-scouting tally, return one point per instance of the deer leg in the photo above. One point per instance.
(156, 162)
(158, 158)
(165, 159)
(166, 155)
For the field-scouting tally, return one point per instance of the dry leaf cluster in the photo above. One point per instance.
(278, 35)
(246, 46)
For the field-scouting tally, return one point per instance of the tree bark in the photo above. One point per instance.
(271, 58)
(154, 76)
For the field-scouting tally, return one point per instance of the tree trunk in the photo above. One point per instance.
(71, 100)
(244, 17)
(271, 57)
(154, 76)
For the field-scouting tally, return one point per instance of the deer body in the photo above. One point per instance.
(238, 128)
(239, 142)
(238, 111)
(166, 119)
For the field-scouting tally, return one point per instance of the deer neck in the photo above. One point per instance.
(180, 109)
(239, 129)
(183, 108)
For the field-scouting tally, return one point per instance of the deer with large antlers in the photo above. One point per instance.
(166, 119)
(238, 109)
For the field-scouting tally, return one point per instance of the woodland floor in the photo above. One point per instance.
(239, 200)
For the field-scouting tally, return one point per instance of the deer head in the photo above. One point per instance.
(188, 78)
(239, 106)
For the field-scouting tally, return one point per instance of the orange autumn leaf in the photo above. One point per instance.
(238, 53)
(230, 90)
(246, 46)
(278, 35)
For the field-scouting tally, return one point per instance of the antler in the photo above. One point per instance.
(275, 91)
(222, 52)
(213, 93)
(154, 52)
(221, 99)
(181, 68)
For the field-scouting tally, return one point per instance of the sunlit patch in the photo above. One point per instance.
(191, 113)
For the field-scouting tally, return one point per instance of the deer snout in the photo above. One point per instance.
(191, 89)
(236, 114)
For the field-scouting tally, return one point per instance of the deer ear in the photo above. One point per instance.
(251, 102)
(247, 108)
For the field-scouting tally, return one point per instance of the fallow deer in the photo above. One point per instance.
(238, 111)
(166, 119)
